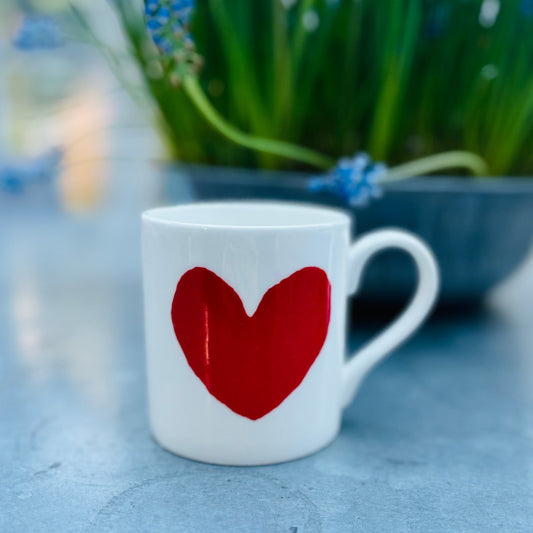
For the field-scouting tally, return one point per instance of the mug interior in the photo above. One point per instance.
(247, 215)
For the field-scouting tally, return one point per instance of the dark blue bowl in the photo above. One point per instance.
(480, 229)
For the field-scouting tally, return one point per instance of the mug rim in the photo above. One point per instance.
(302, 215)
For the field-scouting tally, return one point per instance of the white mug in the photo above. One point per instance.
(245, 314)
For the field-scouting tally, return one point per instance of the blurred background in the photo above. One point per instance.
(333, 77)
(416, 115)
(70, 138)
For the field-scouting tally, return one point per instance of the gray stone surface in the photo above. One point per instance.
(440, 437)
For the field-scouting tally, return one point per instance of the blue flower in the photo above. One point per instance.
(38, 33)
(15, 176)
(150, 7)
(163, 15)
(154, 25)
(168, 17)
(167, 22)
(355, 180)
(183, 9)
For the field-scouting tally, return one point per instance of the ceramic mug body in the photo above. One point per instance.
(245, 315)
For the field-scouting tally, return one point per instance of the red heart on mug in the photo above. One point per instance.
(251, 363)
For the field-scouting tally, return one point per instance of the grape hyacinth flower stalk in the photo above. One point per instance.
(355, 180)
(168, 22)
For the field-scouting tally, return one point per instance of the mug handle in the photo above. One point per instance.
(358, 366)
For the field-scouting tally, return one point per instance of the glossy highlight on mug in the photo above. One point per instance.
(251, 363)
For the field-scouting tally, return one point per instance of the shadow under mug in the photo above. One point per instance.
(245, 315)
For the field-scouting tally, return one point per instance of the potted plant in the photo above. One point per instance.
(272, 99)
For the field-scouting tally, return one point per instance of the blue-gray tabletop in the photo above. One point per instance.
(440, 437)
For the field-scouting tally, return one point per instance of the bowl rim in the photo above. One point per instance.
(296, 180)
